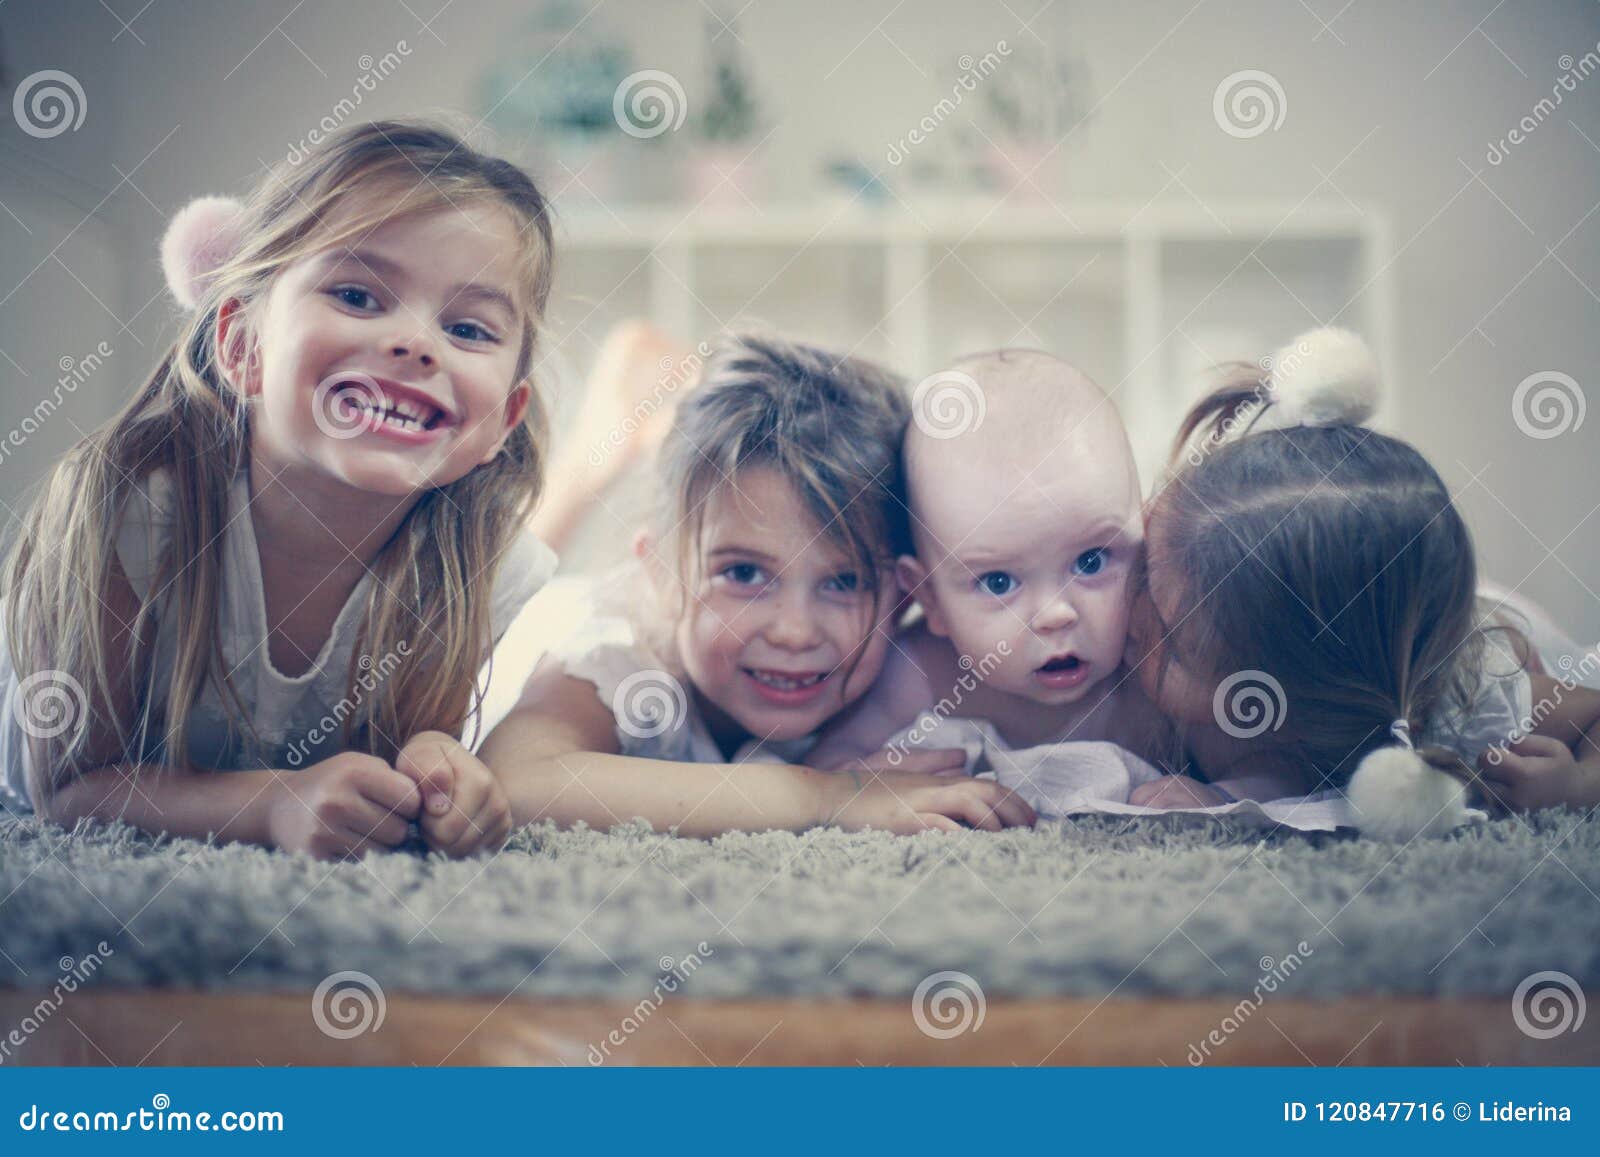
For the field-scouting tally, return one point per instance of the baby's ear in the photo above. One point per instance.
(913, 579)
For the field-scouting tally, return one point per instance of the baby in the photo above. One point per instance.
(1026, 529)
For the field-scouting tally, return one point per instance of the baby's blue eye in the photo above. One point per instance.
(997, 582)
(1091, 562)
(478, 333)
(847, 581)
(355, 297)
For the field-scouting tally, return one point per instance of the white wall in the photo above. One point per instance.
(1497, 276)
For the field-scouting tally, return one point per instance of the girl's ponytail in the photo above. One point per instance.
(1401, 792)
(1236, 400)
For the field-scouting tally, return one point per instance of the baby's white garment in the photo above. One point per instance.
(1065, 779)
(656, 714)
(295, 718)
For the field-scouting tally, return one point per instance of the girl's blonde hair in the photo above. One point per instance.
(1330, 557)
(828, 425)
(432, 579)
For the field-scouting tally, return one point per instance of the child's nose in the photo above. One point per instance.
(412, 345)
(1056, 614)
(792, 624)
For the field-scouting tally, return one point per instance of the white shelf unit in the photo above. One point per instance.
(1143, 298)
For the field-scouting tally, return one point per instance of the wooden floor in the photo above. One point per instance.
(168, 1027)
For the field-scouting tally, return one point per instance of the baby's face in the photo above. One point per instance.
(1042, 570)
(390, 364)
(780, 632)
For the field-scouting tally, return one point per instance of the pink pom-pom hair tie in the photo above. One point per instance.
(202, 236)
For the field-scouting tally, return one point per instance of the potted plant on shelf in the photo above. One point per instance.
(1028, 107)
(561, 106)
(725, 169)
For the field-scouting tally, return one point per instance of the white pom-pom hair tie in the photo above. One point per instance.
(1397, 795)
(200, 239)
(1324, 377)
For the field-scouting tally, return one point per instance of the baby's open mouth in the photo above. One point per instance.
(786, 681)
(1062, 663)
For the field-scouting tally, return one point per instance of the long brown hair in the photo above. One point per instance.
(1328, 557)
(432, 579)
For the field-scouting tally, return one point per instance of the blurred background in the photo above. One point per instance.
(1143, 187)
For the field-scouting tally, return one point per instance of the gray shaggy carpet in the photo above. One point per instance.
(1174, 906)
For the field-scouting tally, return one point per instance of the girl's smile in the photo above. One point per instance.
(391, 366)
(358, 403)
(778, 632)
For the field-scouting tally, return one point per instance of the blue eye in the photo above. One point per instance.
(743, 573)
(1091, 562)
(997, 583)
(478, 332)
(345, 293)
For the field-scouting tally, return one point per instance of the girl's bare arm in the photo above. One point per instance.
(556, 754)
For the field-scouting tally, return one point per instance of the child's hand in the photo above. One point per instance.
(464, 809)
(1538, 771)
(1176, 791)
(346, 805)
(906, 802)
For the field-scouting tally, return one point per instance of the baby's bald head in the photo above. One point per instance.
(1026, 525)
(1045, 429)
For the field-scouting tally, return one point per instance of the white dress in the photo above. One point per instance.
(657, 716)
(297, 720)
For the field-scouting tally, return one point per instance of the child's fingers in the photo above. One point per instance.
(357, 839)
(938, 823)
(377, 821)
(1513, 768)
(388, 790)
(492, 825)
(1168, 791)
(478, 808)
(964, 805)
(428, 761)
(1504, 793)
(1512, 781)
(457, 829)
(386, 829)
(1539, 745)
(1014, 811)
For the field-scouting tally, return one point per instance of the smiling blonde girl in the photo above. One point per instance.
(290, 554)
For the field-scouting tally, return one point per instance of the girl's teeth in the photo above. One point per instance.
(404, 415)
(784, 683)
